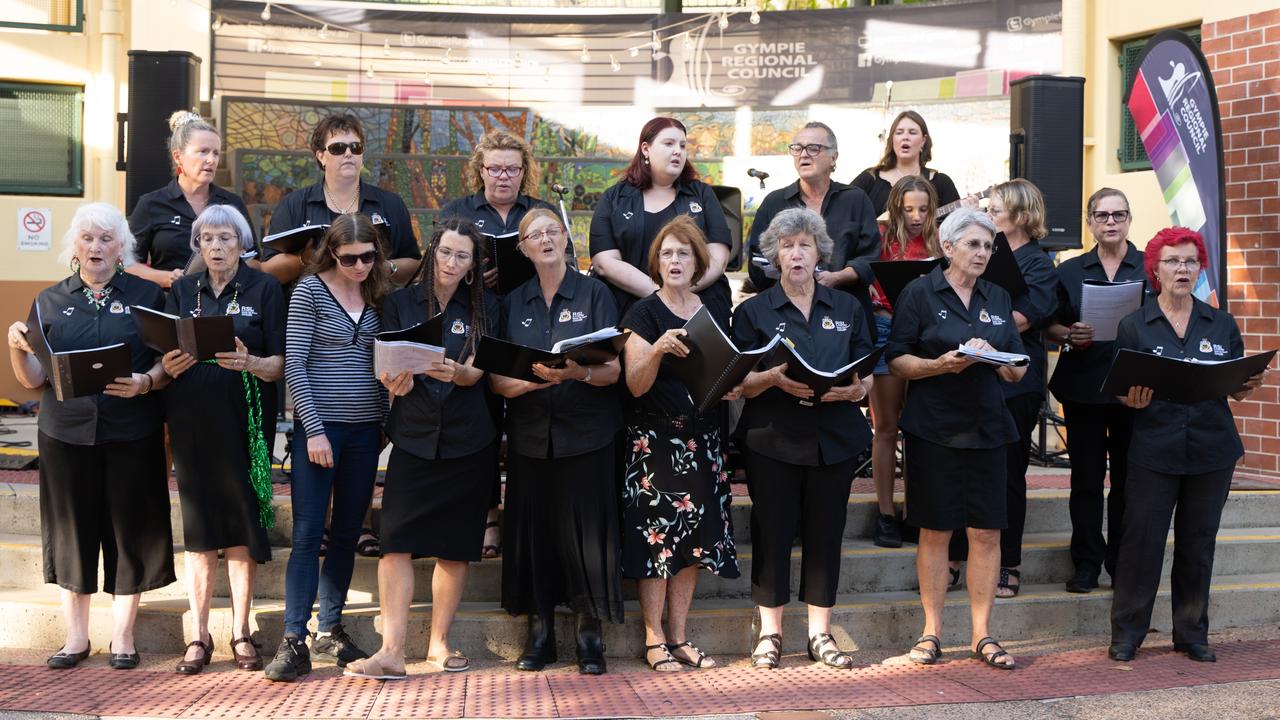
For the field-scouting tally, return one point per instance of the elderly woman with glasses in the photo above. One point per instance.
(338, 144)
(800, 450)
(103, 481)
(1181, 458)
(218, 413)
(956, 424)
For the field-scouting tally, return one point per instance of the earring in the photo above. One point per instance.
(646, 159)
(119, 266)
(75, 264)
(471, 276)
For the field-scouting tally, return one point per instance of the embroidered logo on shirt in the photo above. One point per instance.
(526, 322)
(377, 219)
(997, 320)
(695, 208)
(68, 311)
(233, 308)
(842, 326)
(1158, 350)
(782, 327)
(1219, 350)
(117, 307)
(565, 315)
(579, 316)
(828, 323)
(942, 314)
(479, 223)
(984, 316)
(1205, 345)
(177, 220)
(627, 215)
(245, 311)
(458, 328)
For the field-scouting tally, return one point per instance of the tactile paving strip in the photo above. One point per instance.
(580, 696)
(151, 694)
(917, 684)
(435, 695)
(243, 694)
(684, 693)
(509, 695)
(332, 697)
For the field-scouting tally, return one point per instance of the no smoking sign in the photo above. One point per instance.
(34, 229)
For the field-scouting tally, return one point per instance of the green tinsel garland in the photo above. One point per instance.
(259, 459)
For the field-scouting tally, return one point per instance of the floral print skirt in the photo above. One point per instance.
(675, 505)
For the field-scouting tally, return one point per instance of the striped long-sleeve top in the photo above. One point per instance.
(328, 360)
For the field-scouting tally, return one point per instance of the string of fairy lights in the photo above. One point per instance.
(685, 31)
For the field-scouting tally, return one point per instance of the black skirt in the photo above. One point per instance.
(436, 508)
(560, 535)
(207, 416)
(954, 488)
(675, 504)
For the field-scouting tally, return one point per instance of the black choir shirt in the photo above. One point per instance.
(573, 417)
(161, 224)
(478, 210)
(620, 223)
(878, 189)
(1081, 371)
(439, 420)
(307, 206)
(252, 298)
(75, 324)
(1178, 438)
(958, 410)
(1039, 306)
(775, 423)
(851, 223)
(649, 318)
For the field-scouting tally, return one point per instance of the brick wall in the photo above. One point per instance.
(1244, 54)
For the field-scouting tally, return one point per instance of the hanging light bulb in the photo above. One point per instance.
(613, 64)
(585, 55)
(324, 32)
(633, 51)
(755, 16)
(369, 73)
(386, 48)
(216, 25)
(655, 43)
(316, 62)
(724, 21)
(266, 13)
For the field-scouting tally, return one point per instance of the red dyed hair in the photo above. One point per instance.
(638, 173)
(1171, 237)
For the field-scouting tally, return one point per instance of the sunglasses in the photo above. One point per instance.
(350, 259)
(341, 148)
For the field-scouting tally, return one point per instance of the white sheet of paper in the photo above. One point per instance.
(395, 357)
(1104, 305)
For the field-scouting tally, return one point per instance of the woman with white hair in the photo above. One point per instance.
(956, 424)
(800, 450)
(217, 412)
(103, 483)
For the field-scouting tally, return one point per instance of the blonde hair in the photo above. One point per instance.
(183, 124)
(502, 140)
(1025, 206)
(897, 228)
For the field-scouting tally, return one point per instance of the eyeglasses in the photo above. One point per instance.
(553, 233)
(444, 255)
(223, 239)
(811, 148)
(498, 171)
(1179, 263)
(341, 148)
(976, 245)
(1101, 217)
(350, 259)
(680, 254)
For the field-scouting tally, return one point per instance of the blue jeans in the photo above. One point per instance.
(350, 481)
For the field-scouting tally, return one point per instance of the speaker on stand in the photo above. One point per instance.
(1046, 147)
(159, 84)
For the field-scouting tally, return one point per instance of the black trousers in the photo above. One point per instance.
(1094, 433)
(1194, 503)
(1025, 410)
(789, 500)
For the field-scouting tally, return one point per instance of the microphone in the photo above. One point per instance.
(559, 189)
(758, 174)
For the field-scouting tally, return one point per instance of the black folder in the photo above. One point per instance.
(1002, 269)
(76, 373)
(294, 240)
(714, 365)
(895, 275)
(430, 332)
(820, 381)
(502, 357)
(1182, 381)
(199, 337)
(514, 269)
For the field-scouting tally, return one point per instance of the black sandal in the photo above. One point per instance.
(702, 657)
(769, 659)
(927, 656)
(368, 545)
(665, 661)
(489, 552)
(993, 658)
(822, 647)
(1005, 574)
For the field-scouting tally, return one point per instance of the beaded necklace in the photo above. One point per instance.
(97, 298)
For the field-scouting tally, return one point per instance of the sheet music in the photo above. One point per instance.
(398, 356)
(1104, 304)
(993, 357)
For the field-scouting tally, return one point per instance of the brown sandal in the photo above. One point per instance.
(193, 667)
(247, 661)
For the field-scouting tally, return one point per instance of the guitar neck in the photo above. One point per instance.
(952, 206)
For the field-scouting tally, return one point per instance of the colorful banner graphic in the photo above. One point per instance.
(1175, 109)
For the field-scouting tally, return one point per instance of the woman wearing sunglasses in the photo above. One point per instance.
(338, 144)
(338, 408)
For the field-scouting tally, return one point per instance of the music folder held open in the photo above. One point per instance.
(1182, 381)
(503, 357)
(714, 365)
(200, 337)
(1002, 269)
(76, 373)
(294, 240)
(412, 349)
(514, 269)
(895, 275)
(820, 381)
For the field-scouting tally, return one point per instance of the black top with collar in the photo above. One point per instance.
(776, 424)
(878, 189)
(965, 409)
(438, 419)
(851, 223)
(252, 298)
(1177, 438)
(161, 224)
(478, 210)
(75, 324)
(619, 224)
(572, 417)
(307, 206)
(1038, 305)
(650, 318)
(1081, 371)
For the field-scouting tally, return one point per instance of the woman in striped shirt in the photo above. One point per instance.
(338, 411)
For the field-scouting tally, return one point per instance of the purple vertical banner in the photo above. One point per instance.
(1175, 110)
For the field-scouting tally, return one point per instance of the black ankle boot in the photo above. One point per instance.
(590, 646)
(540, 646)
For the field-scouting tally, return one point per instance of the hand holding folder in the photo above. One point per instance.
(411, 350)
(76, 373)
(200, 337)
(714, 365)
(822, 381)
(1182, 381)
(502, 357)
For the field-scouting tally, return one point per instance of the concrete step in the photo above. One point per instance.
(891, 621)
(1047, 512)
(865, 568)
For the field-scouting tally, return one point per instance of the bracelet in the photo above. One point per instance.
(587, 379)
(150, 383)
(392, 263)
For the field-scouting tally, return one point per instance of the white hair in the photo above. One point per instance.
(962, 219)
(98, 216)
(222, 216)
(796, 221)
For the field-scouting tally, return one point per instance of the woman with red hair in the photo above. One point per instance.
(1182, 455)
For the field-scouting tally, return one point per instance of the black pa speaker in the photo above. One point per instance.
(159, 84)
(731, 202)
(1046, 146)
